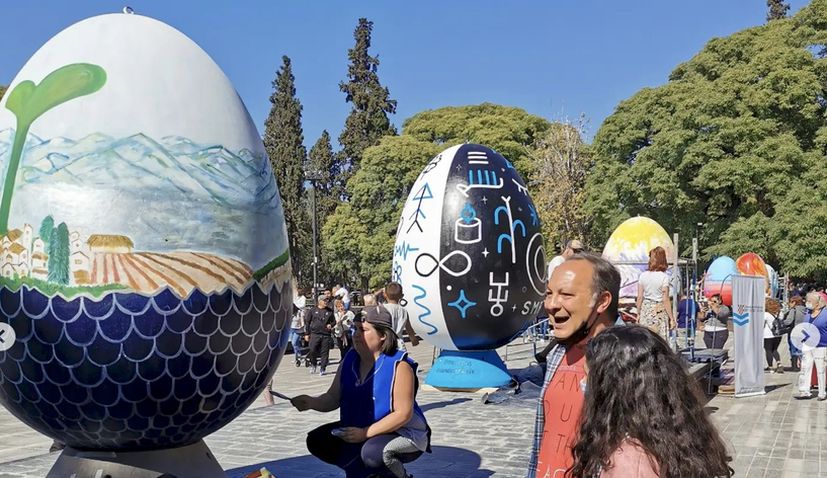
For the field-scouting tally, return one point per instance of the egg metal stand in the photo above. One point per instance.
(465, 370)
(190, 461)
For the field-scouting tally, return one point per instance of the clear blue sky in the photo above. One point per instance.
(554, 58)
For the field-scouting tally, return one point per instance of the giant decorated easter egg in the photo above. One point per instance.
(143, 254)
(718, 279)
(628, 249)
(751, 264)
(469, 252)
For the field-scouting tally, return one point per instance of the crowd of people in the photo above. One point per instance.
(616, 401)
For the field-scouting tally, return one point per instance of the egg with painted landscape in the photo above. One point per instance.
(718, 278)
(628, 249)
(469, 252)
(145, 269)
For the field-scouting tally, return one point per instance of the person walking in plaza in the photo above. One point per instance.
(399, 315)
(796, 314)
(581, 301)
(815, 303)
(318, 330)
(653, 302)
(380, 425)
(297, 325)
(643, 415)
(772, 335)
(716, 318)
(341, 330)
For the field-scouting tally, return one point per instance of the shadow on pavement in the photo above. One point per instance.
(446, 403)
(444, 462)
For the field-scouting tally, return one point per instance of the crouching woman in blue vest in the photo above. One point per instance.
(380, 425)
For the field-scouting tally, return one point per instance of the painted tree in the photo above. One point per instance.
(731, 141)
(777, 9)
(45, 231)
(59, 255)
(371, 104)
(28, 101)
(283, 141)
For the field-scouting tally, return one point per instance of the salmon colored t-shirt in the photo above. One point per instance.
(562, 405)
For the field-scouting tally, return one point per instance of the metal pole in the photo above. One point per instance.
(315, 252)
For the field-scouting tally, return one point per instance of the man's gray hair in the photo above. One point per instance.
(605, 278)
(369, 300)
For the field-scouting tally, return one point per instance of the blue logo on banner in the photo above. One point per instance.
(740, 319)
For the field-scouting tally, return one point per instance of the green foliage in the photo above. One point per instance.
(725, 142)
(283, 141)
(561, 162)
(28, 101)
(325, 166)
(59, 255)
(359, 236)
(45, 231)
(368, 119)
(508, 130)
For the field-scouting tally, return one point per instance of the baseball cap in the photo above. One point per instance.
(321, 298)
(378, 315)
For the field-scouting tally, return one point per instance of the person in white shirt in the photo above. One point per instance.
(771, 341)
(572, 247)
(341, 292)
(653, 302)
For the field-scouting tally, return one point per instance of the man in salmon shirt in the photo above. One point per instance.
(581, 301)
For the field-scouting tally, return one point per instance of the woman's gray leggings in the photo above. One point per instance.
(390, 450)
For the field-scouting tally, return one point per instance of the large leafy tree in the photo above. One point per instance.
(359, 236)
(371, 104)
(561, 162)
(510, 131)
(283, 141)
(727, 142)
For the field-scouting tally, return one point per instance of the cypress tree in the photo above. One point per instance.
(368, 120)
(323, 165)
(777, 9)
(283, 141)
(59, 255)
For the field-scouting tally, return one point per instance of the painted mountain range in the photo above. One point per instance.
(240, 179)
(169, 194)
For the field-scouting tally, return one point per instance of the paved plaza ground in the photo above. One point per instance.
(770, 436)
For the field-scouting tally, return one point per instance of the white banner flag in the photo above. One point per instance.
(748, 319)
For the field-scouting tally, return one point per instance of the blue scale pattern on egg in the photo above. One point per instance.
(127, 371)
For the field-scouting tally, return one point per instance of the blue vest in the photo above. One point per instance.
(365, 404)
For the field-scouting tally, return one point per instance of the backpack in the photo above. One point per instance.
(784, 326)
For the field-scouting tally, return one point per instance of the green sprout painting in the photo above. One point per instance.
(29, 101)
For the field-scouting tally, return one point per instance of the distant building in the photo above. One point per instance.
(103, 243)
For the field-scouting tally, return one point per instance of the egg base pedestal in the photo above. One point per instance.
(468, 370)
(191, 461)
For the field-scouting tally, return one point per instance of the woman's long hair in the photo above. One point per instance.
(657, 260)
(638, 389)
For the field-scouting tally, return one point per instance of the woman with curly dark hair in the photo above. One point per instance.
(643, 416)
